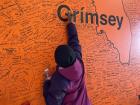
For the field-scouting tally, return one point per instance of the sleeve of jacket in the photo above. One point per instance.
(55, 93)
(73, 40)
(46, 86)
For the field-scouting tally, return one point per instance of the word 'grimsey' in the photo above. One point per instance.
(95, 18)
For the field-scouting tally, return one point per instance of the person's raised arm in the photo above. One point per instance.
(73, 40)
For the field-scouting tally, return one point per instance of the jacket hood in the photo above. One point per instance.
(73, 72)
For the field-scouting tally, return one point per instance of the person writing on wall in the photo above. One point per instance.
(67, 84)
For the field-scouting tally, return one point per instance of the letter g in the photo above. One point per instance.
(59, 12)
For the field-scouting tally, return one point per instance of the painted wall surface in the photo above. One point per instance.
(30, 30)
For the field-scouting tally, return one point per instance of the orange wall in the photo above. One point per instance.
(30, 30)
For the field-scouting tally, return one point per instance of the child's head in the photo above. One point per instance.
(64, 56)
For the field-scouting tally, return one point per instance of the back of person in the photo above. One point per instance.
(67, 85)
(76, 91)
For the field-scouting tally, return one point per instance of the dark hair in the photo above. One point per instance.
(64, 56)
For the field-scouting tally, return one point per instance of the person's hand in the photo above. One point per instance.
(70, 15)
(46, 74)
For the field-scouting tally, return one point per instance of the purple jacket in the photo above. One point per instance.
(76, 90)
(67, 85)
